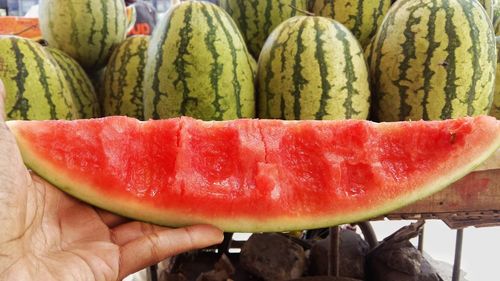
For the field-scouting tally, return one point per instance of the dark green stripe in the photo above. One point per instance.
(349, 71)
(267, 17)
(138, 91)
(158, 60)
(375, 16)
(319, 54)
(433, 45)
(42, 78)
(74, 28)
(62, 81)
(285, 45)
(93, 30)
(229, 37)
(451, 76)
(242, 21)
(333, 8)
(66, 67)
(298, 80)
(217, 67)
(294, 10)
(280, 8)
(118, 94)
(269, 95)
(409, 53)
(282, 107)
(180, 63)
(240, 37)
(256, 18)
(104, 35)
(377, 95)
(358, 19)
(22, 104)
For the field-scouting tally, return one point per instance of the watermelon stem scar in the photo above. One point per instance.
(252, 175)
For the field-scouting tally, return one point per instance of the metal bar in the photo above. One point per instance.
(458, 255)
(421, 240)
(153, 273)
(368, 233)
(224, 247)
(334, 252)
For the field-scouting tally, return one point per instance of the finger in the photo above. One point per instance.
(110, 219)
(131, 231)
(158, 246)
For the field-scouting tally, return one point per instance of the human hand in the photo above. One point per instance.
(48, 235)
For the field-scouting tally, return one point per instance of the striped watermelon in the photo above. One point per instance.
(35, 84)
(123, 80)
(87, 30)
(198, 65)
(312, 68)
(256, 19)
(433, 59)
(362, 17)
(82, 90)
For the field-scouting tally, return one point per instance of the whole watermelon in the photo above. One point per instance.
(82, 90)
(35, 84)
(123, 79)
(433, 59)
(256, 19)
(312, 68)
(87, 30)
(198, 66)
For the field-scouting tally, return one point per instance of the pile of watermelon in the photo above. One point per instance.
(370, 60)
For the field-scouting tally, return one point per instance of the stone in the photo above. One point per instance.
(223, 269)
(353, 249)
(273, 257)
(396, 259)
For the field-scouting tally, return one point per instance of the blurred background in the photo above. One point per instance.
(29, 7)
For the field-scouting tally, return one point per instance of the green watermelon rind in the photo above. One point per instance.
(172, 218)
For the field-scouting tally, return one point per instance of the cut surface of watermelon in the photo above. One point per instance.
(253, 175)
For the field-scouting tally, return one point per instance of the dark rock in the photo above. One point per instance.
(396, 259)
(273, 257)
(353, 250)
(222, 271)
(192, 264)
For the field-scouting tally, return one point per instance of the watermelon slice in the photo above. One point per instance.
(253, 175)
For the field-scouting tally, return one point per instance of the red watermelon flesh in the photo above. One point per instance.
(253, 175)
